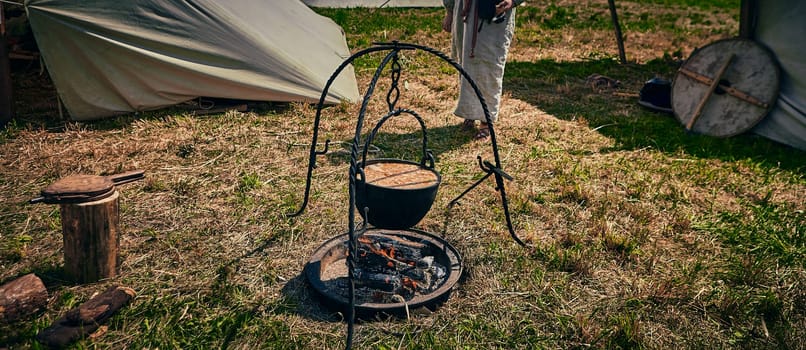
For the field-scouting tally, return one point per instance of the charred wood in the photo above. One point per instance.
(380, 281)
(389, 252)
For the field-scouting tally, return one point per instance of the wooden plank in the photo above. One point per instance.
(710, 92)
(730, 90)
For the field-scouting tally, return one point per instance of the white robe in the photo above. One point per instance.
(484, 61)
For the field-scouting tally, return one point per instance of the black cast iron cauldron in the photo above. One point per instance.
(400, 205)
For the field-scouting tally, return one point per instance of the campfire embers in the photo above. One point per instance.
(394, 269)
(390, 266)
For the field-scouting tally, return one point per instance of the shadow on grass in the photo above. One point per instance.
(407, 146)
(36, 106)
(559, 89)
(299, 297)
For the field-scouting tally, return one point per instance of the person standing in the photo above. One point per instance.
(480, 46)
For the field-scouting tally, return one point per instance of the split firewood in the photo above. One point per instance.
(377, 281)
(87, 318)
(22, 298)
(399, 242)
(377, 250)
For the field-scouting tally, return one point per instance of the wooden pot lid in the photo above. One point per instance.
(725, 88)
(79, 185)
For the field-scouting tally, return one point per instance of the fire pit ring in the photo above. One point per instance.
(333, 253)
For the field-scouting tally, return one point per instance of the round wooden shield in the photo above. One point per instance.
(725, 88)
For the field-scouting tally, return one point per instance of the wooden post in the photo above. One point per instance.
(747, 19)
(91, 242)
(22, 297)
(711, 89)
(6, 96)
(6, 99)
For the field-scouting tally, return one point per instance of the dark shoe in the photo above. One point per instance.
(484, 131)
(657, 95)
(469, 124)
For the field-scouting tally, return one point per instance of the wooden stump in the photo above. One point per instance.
(22, 297)
(91, 241)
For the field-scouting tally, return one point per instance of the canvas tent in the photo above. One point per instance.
(779, 25)
(110, 57)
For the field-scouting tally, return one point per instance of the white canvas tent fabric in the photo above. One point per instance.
(108, 57)
(780, 27)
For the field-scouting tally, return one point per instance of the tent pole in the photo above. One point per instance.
(619, 39)
(2, 20)
(747, 19)
(6, 100)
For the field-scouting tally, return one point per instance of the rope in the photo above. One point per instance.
(400, 298)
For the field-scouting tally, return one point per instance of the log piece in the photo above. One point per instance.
(91, 241)
(22, 297)
(379, 281)
(87, 318)
(389, 251)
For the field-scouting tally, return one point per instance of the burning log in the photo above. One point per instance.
(389, 252)
(379, 281)
(422, 282)
(389, 265)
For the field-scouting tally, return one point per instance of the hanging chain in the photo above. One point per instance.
(394, 91)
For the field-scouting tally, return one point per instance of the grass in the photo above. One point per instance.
(641, 235)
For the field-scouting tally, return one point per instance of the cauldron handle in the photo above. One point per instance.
(430, 157)
(359, 174)
(427, 155)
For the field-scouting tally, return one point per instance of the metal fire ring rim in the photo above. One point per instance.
(454, 270)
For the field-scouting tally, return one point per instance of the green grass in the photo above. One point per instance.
(769, 231)
(367, 26)
(716, 4)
